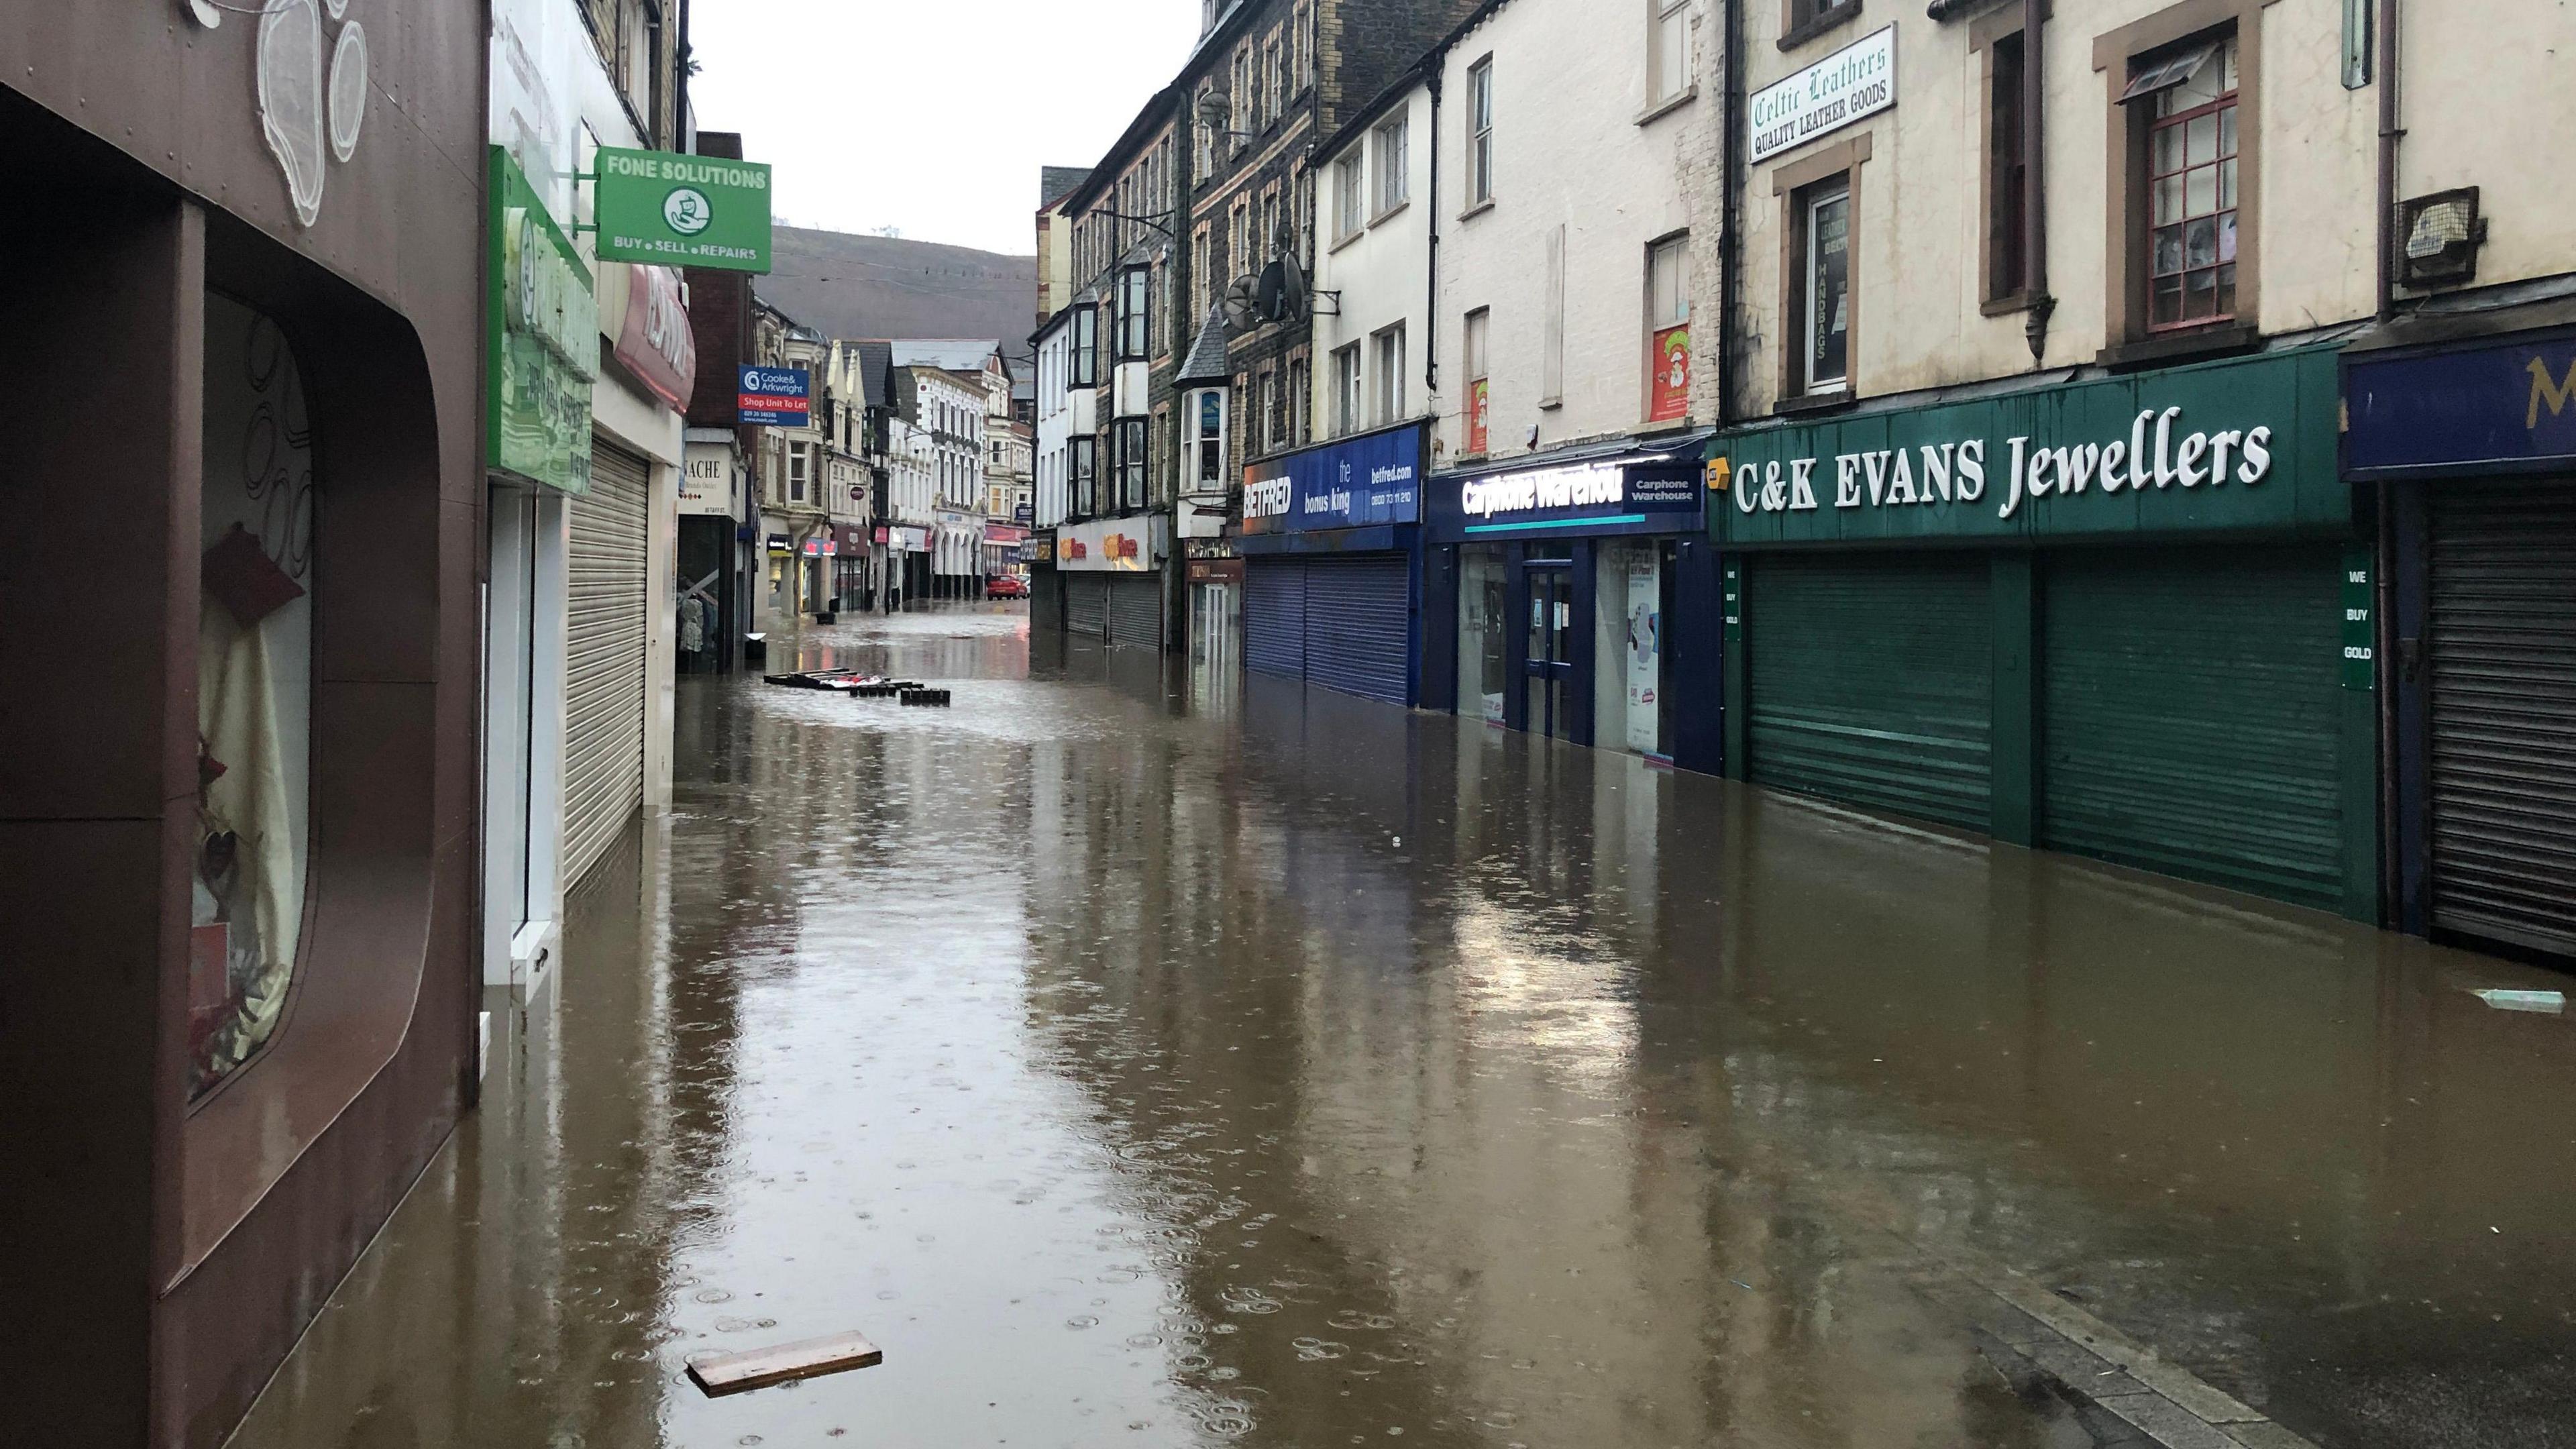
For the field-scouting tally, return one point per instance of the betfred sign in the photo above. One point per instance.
(776, 397)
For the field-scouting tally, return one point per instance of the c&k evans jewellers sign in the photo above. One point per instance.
(2244, 444)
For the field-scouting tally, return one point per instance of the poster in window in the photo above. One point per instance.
(1671, 402)
(1480, 414)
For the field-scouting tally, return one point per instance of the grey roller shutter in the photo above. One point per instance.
(1136, 610)
(1359, 626)
(1872, 682)
(1274, 617)
(1086, 605)
(2192, 712)
(604, 658)
(2502, 650)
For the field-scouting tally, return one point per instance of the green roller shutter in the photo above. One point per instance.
(2191, 715)
(1872, 681)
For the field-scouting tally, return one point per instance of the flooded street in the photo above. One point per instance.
(1157, 1061)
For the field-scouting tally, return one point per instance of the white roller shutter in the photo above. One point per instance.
(604, 658)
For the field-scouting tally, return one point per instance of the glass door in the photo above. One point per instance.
(1550, 660)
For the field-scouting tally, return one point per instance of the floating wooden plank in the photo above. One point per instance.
(736, 1373)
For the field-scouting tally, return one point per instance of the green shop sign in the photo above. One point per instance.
(543, 330)
(2238, 445)
(671, 210)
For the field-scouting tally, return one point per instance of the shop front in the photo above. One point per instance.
(1579, 592)
(1113, 579)
(2128, 619)
(907, 566)
(1331, 565)
(850, 567)
(2472, 448)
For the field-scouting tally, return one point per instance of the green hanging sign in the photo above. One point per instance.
(543, 331)
(666, 209)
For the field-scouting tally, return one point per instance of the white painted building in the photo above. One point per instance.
(1374, 335)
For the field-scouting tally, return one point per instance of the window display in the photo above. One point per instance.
(254, 692)
(1483, 589)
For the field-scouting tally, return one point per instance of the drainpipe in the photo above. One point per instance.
(2034, 237)
(1434, 69)
(1730, 246)
(2389, 135)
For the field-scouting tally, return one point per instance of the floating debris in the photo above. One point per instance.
(736, 1373)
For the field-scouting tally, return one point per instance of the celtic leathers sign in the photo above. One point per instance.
(683, 211)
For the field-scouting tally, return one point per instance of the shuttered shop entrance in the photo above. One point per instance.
(2502, 649)
(1136, 610)
(1274, 617)
(1343, 623)
(1871, 682)
(2191, 715)
(604, 658)
(1086, 605)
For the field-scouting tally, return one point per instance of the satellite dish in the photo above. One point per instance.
(1216, 108)
(1282, 295)
(1242, 303)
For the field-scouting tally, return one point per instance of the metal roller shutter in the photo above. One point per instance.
(1274, 617)
(1086, 605)
(1136, 610)
(1359, 632)
(1872, 682)
(2192, 715)
(2502, 650)
(604, 658)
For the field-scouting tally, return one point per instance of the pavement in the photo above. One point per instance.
(1148, 1056)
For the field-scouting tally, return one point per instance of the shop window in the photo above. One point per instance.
(1484, 595)
(1668, 312)
(1389, 346)
(1476, 342)
(1822, 287)
(2007, 180)
(1671, 50)
(1346, 390)
(1389, 146)
(2191, 180)
(1480, 132)
(254, 693)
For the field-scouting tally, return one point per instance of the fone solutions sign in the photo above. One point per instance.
(1854, 82)
(683, 211)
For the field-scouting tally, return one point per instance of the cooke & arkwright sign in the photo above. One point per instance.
(2246, 444)
(683, 211)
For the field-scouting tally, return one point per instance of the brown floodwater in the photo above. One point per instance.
(1156, 1059)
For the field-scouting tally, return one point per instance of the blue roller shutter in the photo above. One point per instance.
(1872, 682)
(1359, 626)
(1274, 616)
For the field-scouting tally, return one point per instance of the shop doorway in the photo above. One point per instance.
(1549, 664)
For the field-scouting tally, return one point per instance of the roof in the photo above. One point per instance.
(954, 354)
(876, 367)
(1055, 181)
(1207, 355)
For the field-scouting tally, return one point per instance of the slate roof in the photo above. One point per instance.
(964, 355)
(1055, 181)
(1206, 362)
(876, 369)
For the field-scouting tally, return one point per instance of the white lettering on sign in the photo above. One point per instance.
(2157, 454)
(1854, 82)
(1266, 498)
(1579, 487)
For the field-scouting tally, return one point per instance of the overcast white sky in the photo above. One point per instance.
(929, 115)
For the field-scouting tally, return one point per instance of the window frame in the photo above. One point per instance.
(2002, 267)
(1082, 469)
(1390, 142)
(1668, 28)
(1804, 20)
(2226, 165)
(1476, 357)
(1134, 319)
(2128, 195)
(1349, 388)
(1808, 203)
(1131, 453)
(1083, 351)
(1480, 133)
(1350, 195)
(1387, 353)
(1671, 254)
